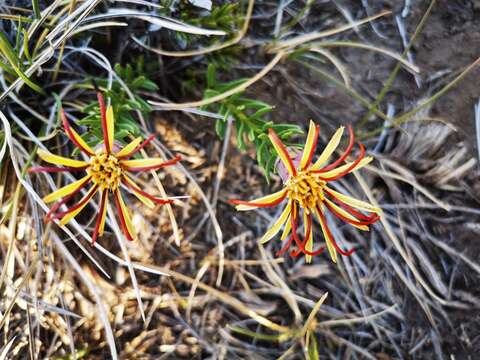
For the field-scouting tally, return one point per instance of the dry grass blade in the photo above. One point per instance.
(302, 39)
(6, 349)
(131, 271)
(235, 40)
(226, 94)
(25, 277)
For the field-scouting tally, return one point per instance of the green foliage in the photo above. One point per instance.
(249, 117)
(224, 17)
(10, 60)
(123, 106)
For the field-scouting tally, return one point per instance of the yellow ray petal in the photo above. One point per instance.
(278, 224)
(81, 142)
(311, 139)
(272, 198)
(286, 230)
(329, 149)
(140, 163)
(110, 126)
(149, 203)
(359, 204)
(104, 216)
(74, 213)
(129, 147)
(66, 190)
(282, 152)
(331, 249)
(309, 244)
(60, 160)
(126, 215)
(332, 173)
(346, 214)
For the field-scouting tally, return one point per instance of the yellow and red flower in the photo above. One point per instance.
(307, 194)
(107, 169)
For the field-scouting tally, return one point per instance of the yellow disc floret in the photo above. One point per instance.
(105, 170)
(306, 189)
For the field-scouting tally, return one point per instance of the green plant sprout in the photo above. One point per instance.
(248, 116)
(123, 105)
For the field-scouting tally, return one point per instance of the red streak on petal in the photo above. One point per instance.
(345, 154)
(49, 216)
(155, 167)
(314, 145)
(138, 148)
(283, 149)
(68, 129)
(350, 221)
(285, 248)
(52, 169)
(354, 163)
(351, 210)
(147, 195)
(334, 243)
(85, 199)
(268, 204)
(121, 216)
(301, 244)
(103, 202)
(103, 115)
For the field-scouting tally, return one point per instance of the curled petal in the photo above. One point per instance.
(60, 160)
(265, 201)
(285, 248)
(282, 152)
(301, 244)
(328, 234)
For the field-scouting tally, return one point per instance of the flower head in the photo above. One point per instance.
(308, 194)
(107, 169)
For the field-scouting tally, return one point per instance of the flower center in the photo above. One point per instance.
(306, 189)
(105, 170)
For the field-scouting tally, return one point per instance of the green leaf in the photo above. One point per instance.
(9, 53)
(211, 76)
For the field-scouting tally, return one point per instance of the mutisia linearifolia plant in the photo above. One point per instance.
(108, 167)
(307, 193)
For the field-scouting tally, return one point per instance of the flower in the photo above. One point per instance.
(307, 191)
(107, 169)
